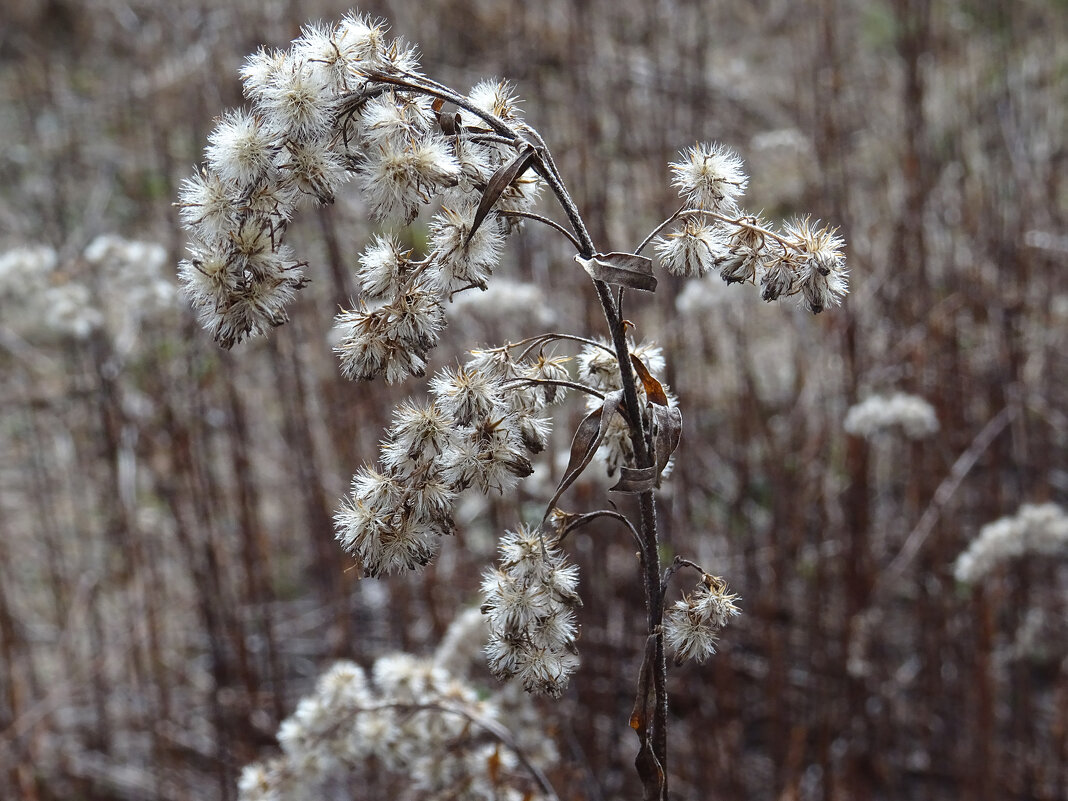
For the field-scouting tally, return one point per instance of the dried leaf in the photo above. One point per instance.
(654, 390)
(650, 771)
(588, 437)
(643, 699)
(493, 767)
(635, 480)
(498, 182)
(666, 434)
(449, 123)
(621, 269)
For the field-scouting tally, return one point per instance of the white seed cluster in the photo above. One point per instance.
(530, 600)
(116, 286)
(411, 719)
(803, 259)
(912, 414)
(25, 270)
(339, 105)
(479, 430)
(1040, 529)
(691, 625)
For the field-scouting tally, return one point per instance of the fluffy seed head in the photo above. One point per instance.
(207, 204)
(467, 396)
(297, 102)
(463, 260)
(692, 624)
(711, 177)
(692, 250)
(241, 148)
(383, 264)
(822, 277)
(529, 602)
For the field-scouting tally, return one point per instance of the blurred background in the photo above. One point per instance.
(169, 580)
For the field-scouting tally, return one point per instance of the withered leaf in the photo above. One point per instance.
(449, 123)
(643, 699)
(635, 480)
(650, 771)
(621, 269)
(498, 182)
(666, 434)
(584, 444)
(654, 390)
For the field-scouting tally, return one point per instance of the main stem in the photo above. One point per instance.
(650, 557)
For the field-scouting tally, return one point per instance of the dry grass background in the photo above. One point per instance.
(169, 584)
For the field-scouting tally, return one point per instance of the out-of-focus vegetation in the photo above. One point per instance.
(169, 580)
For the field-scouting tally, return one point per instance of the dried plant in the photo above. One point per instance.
(346, 103)
(421, 719)
(1040, 529)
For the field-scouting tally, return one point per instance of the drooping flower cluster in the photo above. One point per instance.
(1034, 529)
(530, 600)
(714, 233)
(479, 430)
(413, 719)
(915, 416)
(346, 102)
(691, 625)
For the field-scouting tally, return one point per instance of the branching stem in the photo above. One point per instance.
(659, 228)
(655, 788)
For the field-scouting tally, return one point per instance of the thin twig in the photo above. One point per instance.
(580, 520)
(660, 228)
(555, 382)
(539, 218)
(676, 565)
(546, 338)
(531, 342)
(964, 464)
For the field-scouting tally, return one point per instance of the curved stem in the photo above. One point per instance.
(548, 172)
(491, 138)
(417, 83)
(556, 382)
(546, 338)
(537, 217)
(589, 517)
(531, 342)
(677, 564)
(650, 542)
